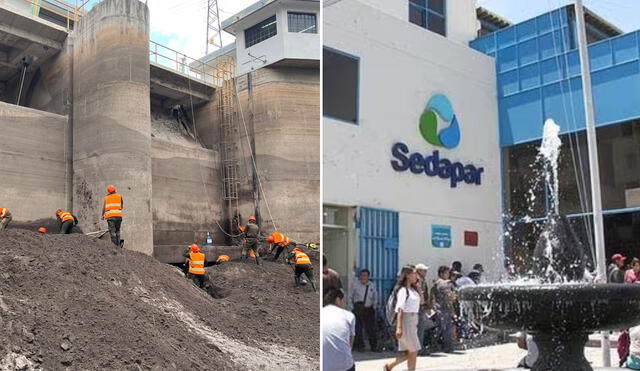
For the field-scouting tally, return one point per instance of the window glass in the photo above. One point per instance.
(302, 22)
(340, 86)
(260, 32)
(428, 14)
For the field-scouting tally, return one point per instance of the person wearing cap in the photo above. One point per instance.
(616, 269)
(251, 232)
(112, 213)
(279, 242)
(476, 273)
(195, 265)
(67, 221)
(302, 265)
(364, 299)
(632, 275)
(5, 217)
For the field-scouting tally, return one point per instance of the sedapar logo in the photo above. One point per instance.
(438, 107)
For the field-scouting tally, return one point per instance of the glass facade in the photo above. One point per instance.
(619, 160)
(260, 32)
(429, 14)
(302, 22)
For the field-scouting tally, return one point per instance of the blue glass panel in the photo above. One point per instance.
(529, 77)
(600, 55)
(528, 51)
(508, 83)
(507, 59)
(625, 48)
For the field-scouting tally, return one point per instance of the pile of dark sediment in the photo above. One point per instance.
(77, 303)
(272, 307)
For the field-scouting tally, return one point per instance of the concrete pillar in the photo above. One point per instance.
(111, 118)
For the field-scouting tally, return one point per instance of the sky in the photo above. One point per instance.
(625, 14)
(182, 24)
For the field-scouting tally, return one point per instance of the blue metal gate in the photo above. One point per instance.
(378, 250)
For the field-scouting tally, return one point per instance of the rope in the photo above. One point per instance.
(204, 184)
(253, 160)
(573, 136)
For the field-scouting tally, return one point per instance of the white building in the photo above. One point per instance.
(272, 31)
(383, 62)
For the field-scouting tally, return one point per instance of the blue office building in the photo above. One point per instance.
(539, 77)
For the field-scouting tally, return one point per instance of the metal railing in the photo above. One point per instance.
(69, 12)
(213, 73)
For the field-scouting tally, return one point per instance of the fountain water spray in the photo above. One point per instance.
(557, 306)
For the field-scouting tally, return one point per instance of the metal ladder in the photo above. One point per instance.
(228, 133)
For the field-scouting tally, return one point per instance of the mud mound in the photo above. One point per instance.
(77, 303)
(52, 225)
(270, 307)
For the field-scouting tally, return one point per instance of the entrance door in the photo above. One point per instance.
(378, 248)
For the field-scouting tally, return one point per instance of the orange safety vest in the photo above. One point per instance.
(3, 212)
(65, 215)
(281, 239)
(301, 258)
(223, 258)
(196, 263)
(112, 205)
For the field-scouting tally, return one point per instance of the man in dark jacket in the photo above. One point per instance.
(251, 233)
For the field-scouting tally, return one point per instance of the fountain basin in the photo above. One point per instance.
(559, 316)
(575, 307)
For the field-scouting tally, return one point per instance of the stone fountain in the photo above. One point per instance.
(559, 306)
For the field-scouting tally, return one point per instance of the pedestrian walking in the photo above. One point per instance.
(338, 331)
(407, 305)
(364, 299)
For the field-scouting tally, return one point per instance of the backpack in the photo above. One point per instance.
(390, 309)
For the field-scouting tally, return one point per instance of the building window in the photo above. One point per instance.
(302, 22)
(429, 14)
(260, 32)
(340, 85)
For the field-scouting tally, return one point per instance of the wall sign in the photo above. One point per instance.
(470, 238)
(434, 164)
(441, 236)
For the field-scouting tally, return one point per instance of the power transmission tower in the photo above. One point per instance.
(214, 30)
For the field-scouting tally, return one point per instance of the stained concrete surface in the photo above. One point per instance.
(111, 126)
(32, 162)
(186, 194)
(285, 124)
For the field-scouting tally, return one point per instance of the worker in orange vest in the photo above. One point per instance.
(112, 213)
(302, 265)
(279, 242)
(222, 258)
(67, 221)
(195, 263)
(251, 233)
(5, 217)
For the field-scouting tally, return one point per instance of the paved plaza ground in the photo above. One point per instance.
(494, 357)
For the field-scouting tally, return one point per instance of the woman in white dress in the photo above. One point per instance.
(407, 307)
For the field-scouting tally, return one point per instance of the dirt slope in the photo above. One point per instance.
(71, 302)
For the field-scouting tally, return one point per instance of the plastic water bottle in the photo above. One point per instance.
(209, 240)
